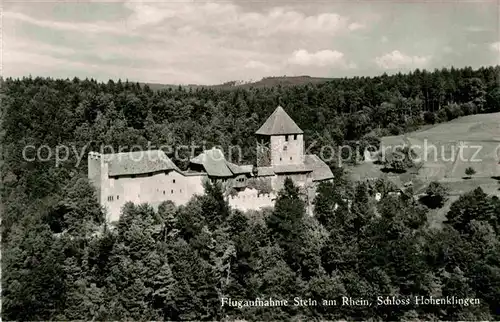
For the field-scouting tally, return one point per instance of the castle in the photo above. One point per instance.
(151, 177)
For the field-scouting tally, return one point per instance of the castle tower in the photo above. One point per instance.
(279, 141)
(98, 170)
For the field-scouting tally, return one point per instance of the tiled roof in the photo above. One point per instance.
(239, 169)
(292, 168)
(279, 123)
(138, 162)
(321, 171)
(265, 171)
(216, 165)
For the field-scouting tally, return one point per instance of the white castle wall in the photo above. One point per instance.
(154, 189)
(294, 150)
(249, 199)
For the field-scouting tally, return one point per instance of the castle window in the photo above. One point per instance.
(286, 138)
(163, 191)
(295, 136)
(285, 148)
(180, 191)
(171, 191)
(117, 197)
(173, 181)
(290, 158)
(281, 159)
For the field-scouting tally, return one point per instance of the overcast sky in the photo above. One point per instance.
(205, 42)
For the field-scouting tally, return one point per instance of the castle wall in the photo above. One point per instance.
(94, 172)
(285, 152)
(300, 179)
(152, 189)
(249, 199)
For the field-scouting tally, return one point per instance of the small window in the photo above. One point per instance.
(163, 191)
(117, 197)
(281, 159)
(286, 138)
(295, 136)
(285, 148)
(173, 180)
(172, 191)
(180, 191)
(290, 158)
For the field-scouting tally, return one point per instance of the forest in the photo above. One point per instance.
(60, 261)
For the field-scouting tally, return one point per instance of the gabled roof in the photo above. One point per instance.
(321, 171)
(265, 171)
(292, 168)
(279, 123)
(239, 169)
(138, 162)
(216, 165)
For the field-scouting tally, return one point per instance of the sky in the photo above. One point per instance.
(211, 42)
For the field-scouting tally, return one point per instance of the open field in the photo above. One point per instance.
(447, 149)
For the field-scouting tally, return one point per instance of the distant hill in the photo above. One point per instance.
(265, 82)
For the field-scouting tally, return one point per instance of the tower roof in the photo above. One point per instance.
(279, 123)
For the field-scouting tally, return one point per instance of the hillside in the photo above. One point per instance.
(264, 82)
(439, 147)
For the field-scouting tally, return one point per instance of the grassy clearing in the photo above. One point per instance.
(446, 150)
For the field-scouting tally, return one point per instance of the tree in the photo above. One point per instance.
(327, 203)
(214, 206)
(400, 159)
(472, 205)
(286, 221)
(470, 172)
(436, 195)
